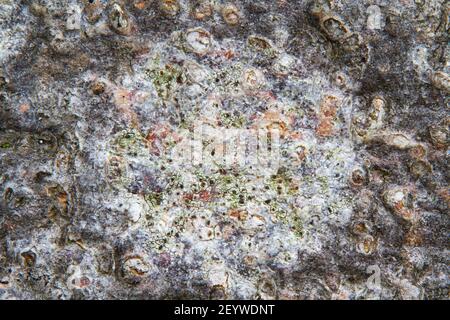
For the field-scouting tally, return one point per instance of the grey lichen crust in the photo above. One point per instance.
(95, 94)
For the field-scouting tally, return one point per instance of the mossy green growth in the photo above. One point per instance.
(166, 79)
(233, 120)
(231, 189)
(324, 184)
(296, 224)
(279, 212)
(154, 199)
(131, 142)
(287, 216)
(5, 145)
(282, 183)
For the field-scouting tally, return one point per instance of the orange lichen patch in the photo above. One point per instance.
(296, 136)
(62, 200)
(274, 120)
(61, 196)
(413, 237)
(140, 4)
(202, 196)
(329, 106)
(325, 127)
(205, 196)
(188, 197)
(398, 199)
(367, 245)
(24, 108)
(402, 211)
(98, 87)
(202, 10)
(240, 215)
(328, 109)
(227, 54)
(158, 138)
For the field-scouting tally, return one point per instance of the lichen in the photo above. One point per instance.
(224, 149)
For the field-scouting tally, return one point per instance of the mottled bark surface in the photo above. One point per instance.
(96, 96)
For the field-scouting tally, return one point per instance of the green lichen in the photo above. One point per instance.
(5, 145)
(230, 189)
(234, 120)
(333, 153)
(324, 183)
(296, 225)
(228, 79)
(131, 142)
(154, 199)
(166, 79)
(282, 183)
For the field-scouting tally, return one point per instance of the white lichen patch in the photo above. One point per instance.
(223, 149)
